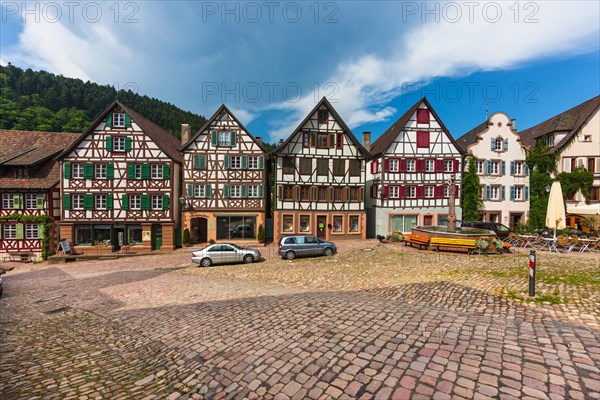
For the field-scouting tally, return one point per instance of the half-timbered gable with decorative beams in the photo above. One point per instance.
(120, 184)
(29, 191)
(500, 165)
(224, 180)
(410, 171)
(320, 173)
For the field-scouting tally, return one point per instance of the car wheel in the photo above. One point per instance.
(290, 255)
(248, 259)
(206, 262)
(327, 252)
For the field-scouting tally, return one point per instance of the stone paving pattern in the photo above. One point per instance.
(152, 327)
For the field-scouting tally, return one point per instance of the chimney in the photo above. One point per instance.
(366, 140)
(280, 142)
(186, 131)
(259, 139)
(513, 124)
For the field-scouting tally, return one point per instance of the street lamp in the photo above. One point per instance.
(182, 202)
(547, 188)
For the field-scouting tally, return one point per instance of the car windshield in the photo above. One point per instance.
(502, 228)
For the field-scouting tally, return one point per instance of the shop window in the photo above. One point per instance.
(353, 223)
(304, 223)
(288, 223)
(236, 227)
(83, 235)
(338, 223)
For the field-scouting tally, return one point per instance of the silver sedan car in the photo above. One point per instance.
(224, 253)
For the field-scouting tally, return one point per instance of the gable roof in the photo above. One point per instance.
(29, 148)
(388, 137)
(571, 121)
(212, 119)
(471, 137)
(168, 143)
(337, 117)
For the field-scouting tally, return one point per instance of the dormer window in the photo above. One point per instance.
(323, 116)
(497, 144)
(119, 120)
(550, 141)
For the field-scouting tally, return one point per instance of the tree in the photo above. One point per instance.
(471, 193)
(541, 164)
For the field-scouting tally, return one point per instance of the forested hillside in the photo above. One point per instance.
(41, 101)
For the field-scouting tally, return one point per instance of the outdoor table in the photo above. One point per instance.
(550, 244)
(529, 239)
(586, 244)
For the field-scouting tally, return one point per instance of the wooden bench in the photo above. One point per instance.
(23, 257)
(421, 241)
(468, 244)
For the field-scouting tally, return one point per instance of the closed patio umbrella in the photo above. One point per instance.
(555, 214)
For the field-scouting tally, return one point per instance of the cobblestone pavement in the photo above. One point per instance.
(152, 327)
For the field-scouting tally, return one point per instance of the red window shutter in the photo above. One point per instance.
(402, 165)
(402, 192)
(439, 192)
(386, 165)
(420, 165)
(422, 116)
(386, 192)
(439, 165)
(420, 192)
(373, 167)
(423, 139)
(454, 165)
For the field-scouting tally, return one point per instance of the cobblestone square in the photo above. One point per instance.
(376, 321)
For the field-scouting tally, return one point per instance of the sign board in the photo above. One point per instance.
(66, 248)
(145, 236)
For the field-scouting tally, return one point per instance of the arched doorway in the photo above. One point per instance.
(199, 229)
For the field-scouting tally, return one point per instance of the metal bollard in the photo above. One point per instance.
(532, 273)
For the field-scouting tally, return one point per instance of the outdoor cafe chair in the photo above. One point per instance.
(574, 243)
(563, 243)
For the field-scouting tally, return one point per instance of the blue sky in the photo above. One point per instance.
(271, 61)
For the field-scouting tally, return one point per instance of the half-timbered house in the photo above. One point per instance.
(224, 180)
(120, 183)
(29, 187)
(409, 174)
(320, 179)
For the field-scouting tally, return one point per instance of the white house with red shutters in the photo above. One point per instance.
(408, 176)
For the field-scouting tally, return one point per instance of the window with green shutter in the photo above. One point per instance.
(208, 191)
(261, 191)
(88, 201)
(39, 201)
(244, 191)
(20, 231)
(226, 191)
(67, 170)
(190, 190)
(109, 119)
(109, 201)
(110, 171)
(18, 201)
(165, 203)
(233, 139)
(127, 121)
(127, 144)
(213, 138)
(130, 171)
(145, 202)
(199, 161)
(226, 162)
(108, 143)
(88, 171)
(145, 171)
(244, 162)
(166, 172)
(124, 202)
(67, 201)
(261, 162)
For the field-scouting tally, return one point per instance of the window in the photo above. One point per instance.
(288, 223)
(253, 191)
(305, 193)
(118, 120)
(77, 200)
(134, 234)
(494, 167)
(518, 192)
(224, 138)
(394, 192)
(338, 194)
(157, 202)
(22, 173)
(353, 223)
(236, 227)
(137, 171)
(306, 139)
(100, 171)
(323, 116)
(156, 171)
(305, 223)
(100, 202)
(355, 167)
(411, 192)
(101, 234)
(423, 140)
(394, 165)
(494, 192)
(429, 192)
(83, 235)
(446, 191)
(518, 167)
(235, 191)
(322, 167)
(479, 164)
(235, 162)
(591, 164)
(422, 116)
(199, 191)
(118, 143)
(135, 202)
(32, 231)
(339, 167)
(288, 192)
(355, 194)
(549, 141)
(586, 138)
(306, 166)
(411, 165)
(339, 140)
(253, 162)
(595, 193)
(77, 171)
(322, 194)
(30, 201)
(322, 140)
(448, 166)
(10, 231)
(338, 222)
(429, 166)
(497, 145)
(288, 165)
(403, 223)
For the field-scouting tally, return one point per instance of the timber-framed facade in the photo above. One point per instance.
(225, 182)
(120, 183)
(320, 173)
(409, 173)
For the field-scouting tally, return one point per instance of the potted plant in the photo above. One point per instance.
(187, 241)
(260, 235)
(482, 244)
